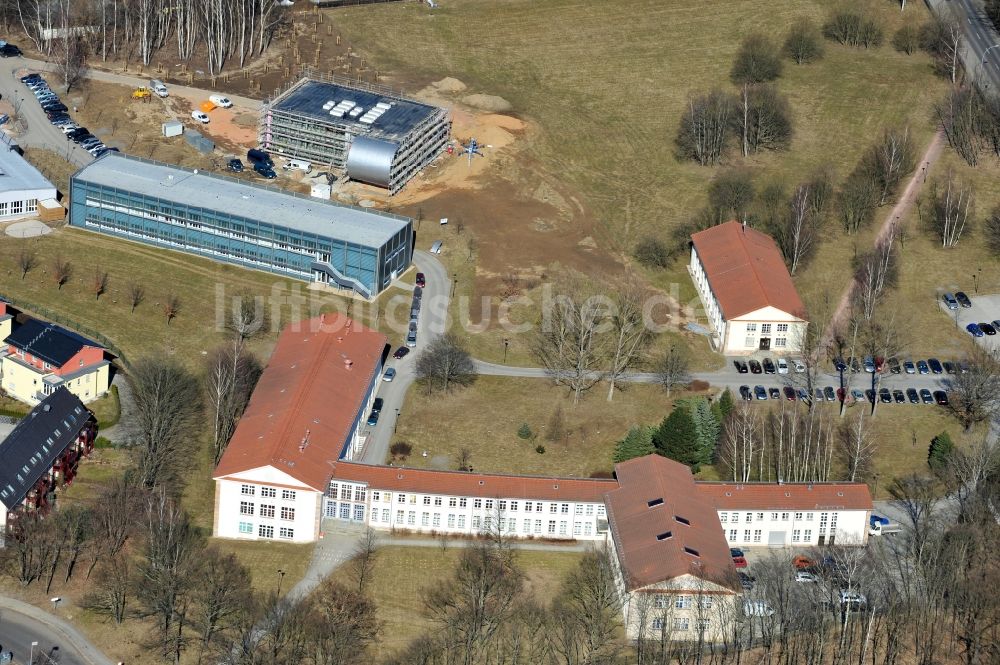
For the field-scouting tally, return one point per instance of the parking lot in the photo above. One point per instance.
(985, 309)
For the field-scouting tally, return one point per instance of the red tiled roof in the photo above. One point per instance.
(460, 483)
(653, 545)
(304, 406)
(787, 496)
(746, 271)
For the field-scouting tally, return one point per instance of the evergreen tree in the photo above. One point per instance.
(707, 428)
(725, 404)
(677, 437)
(638, 442)
(940, 451)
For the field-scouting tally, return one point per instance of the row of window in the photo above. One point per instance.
(734, 517)
(661, 601)
(267, 492)
(797, 535)
(346, 491)
(504, 505)
(18, 207)
(267, 510)
(266, 530)
(765, 328)
(681, 623)
(528, 527)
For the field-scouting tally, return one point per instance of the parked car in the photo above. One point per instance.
(829, 393)
(789, 393)
(745, 393)
(741, 366)
(857, 394)
(235, 165)
(950, 301)
(909, 367)
(400, 352)
(963, 299)
(801, 562)
(768, 366)
(839, 364)
(9, 51)
(739, 561)
(782, 366)
(220, 100)
(894, 366)
(925, 396)
(885, 396)
(158, 88)
(755, 367)
(869, 364)
(757, 608)
(974, 330)
(922, 367)
(411, 338)
(735, 552)
(899, 396)
(935, 365)
(389, 375)
(799, 366)
(802, 393)
(995, 324)
(760, 392)
(988, 329)
(819, 394)
(852, 598)
(421, 280)
(855, 365)
(201, 117)
(373, 418)
(949, 367)
(941, 397)
(911, 394)
(806, 576)
(870, 396)
(264, 170)
(746, 581)
(774, 393)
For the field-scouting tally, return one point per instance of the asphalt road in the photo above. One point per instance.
(21, 624)
(980, 59)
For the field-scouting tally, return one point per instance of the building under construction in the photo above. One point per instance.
(367, 131)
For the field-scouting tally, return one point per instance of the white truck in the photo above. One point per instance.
(881, 526)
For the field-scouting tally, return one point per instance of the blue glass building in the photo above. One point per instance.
(238, 222)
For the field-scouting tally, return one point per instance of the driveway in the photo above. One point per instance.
(985, 309)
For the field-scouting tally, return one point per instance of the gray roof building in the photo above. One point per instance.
(18, 178)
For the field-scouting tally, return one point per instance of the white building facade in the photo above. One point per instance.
(22, 186)
(266, 504)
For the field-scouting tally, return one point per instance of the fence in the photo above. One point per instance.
(46, 313)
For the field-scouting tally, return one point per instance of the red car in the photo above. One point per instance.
(802, 562)
(739, 561)
(421, 280)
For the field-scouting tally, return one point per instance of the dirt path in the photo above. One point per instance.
(899, 212)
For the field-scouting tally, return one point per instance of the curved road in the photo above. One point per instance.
(21, 624)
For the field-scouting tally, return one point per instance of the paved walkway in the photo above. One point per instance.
(60, 632)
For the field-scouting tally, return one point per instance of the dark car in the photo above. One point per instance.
(911, 394)
(789, 393)
(988, 329)
(80, 138)
(870, 395)
(235, 165)
(768, 366)
(941, 397)
(925, 396)
(31, 77)
(421, 280)
(855, 365)
(922, 367)
(935, 365)
(949, 367)
(378, 404)
(255, 156)
(995, 324)
(774, 393)
(885, 396)
(839, 364)
(373, 418)
(265, 170)
(949, 301)
(974, 330)
(894, 366)
(741, 366)
(760, 392)
(735, 551)
(9, 51)
(963, 299)
(400, 352)
(830, 394)
(755, 367)
(899, 396)
(869, 364)
(819, 394)
(745, 393)
(803, 394)
(746, 581)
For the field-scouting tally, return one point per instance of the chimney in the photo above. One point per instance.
(347, 363)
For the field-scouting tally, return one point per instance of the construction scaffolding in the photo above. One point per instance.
(369, 131)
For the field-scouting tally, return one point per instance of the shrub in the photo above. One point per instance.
(540, 449)
(400, 450)
(907, 39)
(991, 229)
(524, 431)
(757, 61)
(652, 252)
(638, 442)
(103, 442)
(804, 43)
(852, 28)
(940, 451)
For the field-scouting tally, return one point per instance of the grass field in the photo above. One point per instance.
(401, 573)
(485, 418)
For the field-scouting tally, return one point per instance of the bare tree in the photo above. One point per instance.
(229, 382)
(704, 127)
(891, 159)
(963, 114)
(343, 626)
(801, 228)
(26, 260)
(730, 195)
(568, 344)
(587, 612)
(763, 119)
(444, 363)
(72, 64)
(109, 591)
(975, 394)
(364, 558)
(113, 519)
(942, 37)
(165, 411)
(62, 270)
(673, 369)
(220, 590)
(804, 43)
(742, 441)
(858, 445)
(952, 209)
(857, 199)
(100, 283)
(136, 294)
(630, 336)
(877, 270)
(171, 307)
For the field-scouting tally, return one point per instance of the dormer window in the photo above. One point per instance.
(682, 520)
(692, 551)
(653, 503)
(664, 536)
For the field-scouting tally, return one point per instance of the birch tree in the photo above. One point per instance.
(876, 271)
(858, 445)
(569, 343)
(801, 228)
(229, 381)
(952, 209)
(629, 334)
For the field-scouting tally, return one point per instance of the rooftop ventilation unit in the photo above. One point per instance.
(329, 105)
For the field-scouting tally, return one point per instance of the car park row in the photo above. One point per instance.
(831, 394)
(58, 115)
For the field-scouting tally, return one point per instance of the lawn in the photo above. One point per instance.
(401, 573)
(486, 416)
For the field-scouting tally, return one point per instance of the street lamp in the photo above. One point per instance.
(982, 63)
(506, 343)
(395, 423)
(975, 282)
(281, 577)
(454, 283)
(31, 656)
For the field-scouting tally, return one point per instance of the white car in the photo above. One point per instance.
(849, 597)
(799, 366)
(782, 366)
(806, 576)
(220, 100)
(200, 117)
(757, 608)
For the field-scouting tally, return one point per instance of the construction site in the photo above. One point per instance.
(366, 131)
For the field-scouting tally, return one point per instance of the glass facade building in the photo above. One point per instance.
(241, 223)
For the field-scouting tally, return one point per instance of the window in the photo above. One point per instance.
(477, 503)
(513, 506)
(657, 624)
(746, 535)
(285, 532)
(266, 511)
(489, 504)
(375, 496)
(751, 327)
(732, 534)
(461, 521)
(682, 602)
(538, 506)
(798, 516)
(402, 497)
(782, 327)
(287, 513)
(590, 510)
(427, 501)
(374, 516)
(562, 528)
(586, 529)
(750, 341)
(749, 517)
(723, 517)
(705, 602)
(760, 517)
(780, 342)
(425, 519)
(399, 516)
(526, 526)
(796, 536)
(784, 517)
(765, 329)
(411, 517)
(247, 490)
(268, 492)
(809, 517)
(503, 504)
(704, 624)
(288, 495)
(246, 527)
(538, 526)
(16, 207)
(345, 493)
(577, 529)
(682, 623)
(265, 531)
(774, 516)
(246, 508)
(385, 515)
(578, 510)
(487, 522)
(503, 524)
(660, 601)
(735, 517)
(564, 509)
(552, 526)
(476, 522)
(553, 507)
(808, 535)
(756, 535)
(527, 506)
(345, 511)
(462, 503)
(359, 494)
(451, 521)
(452, 502)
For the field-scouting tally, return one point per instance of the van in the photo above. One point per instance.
(436, 247)
(158, 88)
(299, 164)
(255, 156)
(757, 608)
